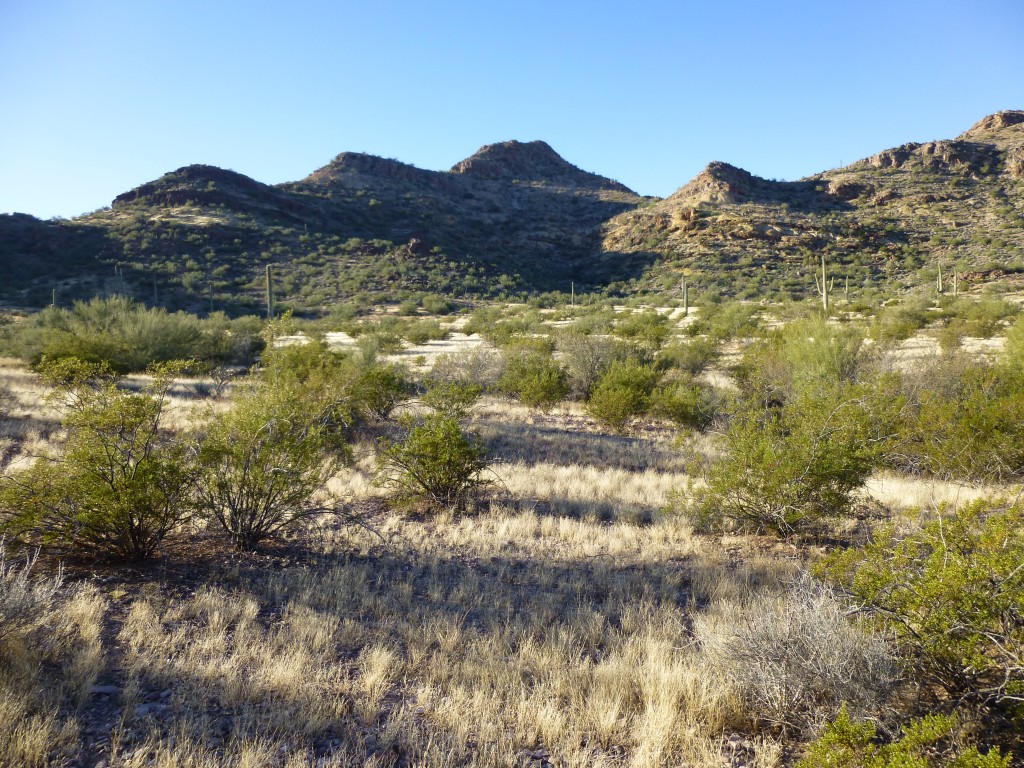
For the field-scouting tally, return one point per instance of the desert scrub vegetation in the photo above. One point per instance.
(127, 336)
(435, 465)
(120, 482)
(950, 590)
(575, 619)
(932, 741)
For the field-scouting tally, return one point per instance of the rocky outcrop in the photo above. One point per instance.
(533, 161)
(996, 122)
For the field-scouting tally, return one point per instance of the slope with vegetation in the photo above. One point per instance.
(516, 219)
(883, 223)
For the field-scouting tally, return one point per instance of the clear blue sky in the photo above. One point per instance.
(98, 96)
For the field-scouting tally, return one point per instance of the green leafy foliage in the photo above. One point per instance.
(951, 592)
(928, 742)
(122, 481)
(649, 329)
(264, 463)
(434, 467)
(126, 336)
(451, 398)
(586, 358)
(533, 376)
(788, 466)
(686, 402)
(623, 393)
(962, 420)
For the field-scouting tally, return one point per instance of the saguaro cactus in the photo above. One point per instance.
(686, 297)
(825, 286)
(270, 296)
(938, 280)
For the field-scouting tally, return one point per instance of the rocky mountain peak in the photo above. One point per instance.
(719, 183)
(533, 161)
(359, 163)
(191, 182)
(995, 122)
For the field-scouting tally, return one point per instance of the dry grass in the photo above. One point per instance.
(570, 622)
(458, 642)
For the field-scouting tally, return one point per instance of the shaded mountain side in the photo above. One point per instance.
(521, 219)
(887, 221)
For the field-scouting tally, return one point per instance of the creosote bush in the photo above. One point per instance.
(788, 467)
(435, 465)
(951, 592)
(121, 482)
(533, 376)
(264, 463)
(127, 336)
(623, 393)
(928, 742)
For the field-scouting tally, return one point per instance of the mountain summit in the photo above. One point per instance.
(533, 161)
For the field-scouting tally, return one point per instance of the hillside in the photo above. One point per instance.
(517, 218)
(885, 221)
(513, 216)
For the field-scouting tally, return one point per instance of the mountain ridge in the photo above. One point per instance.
(516, 217)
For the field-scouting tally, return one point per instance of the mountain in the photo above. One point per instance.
(512, 217)
(515, 217)
(887, 221)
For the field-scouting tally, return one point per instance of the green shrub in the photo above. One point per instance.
(788, 466)
(690, 356)
(435, 466)
(533, 376)
(951, 594)
(129, 337)
(586, 359)
(929, 742)
(425, 330)
(722, 322)
(685, 402)
(436, 305)
(648, 328)
(807, 353)
(352, 391)
(623, 393)
(264, 464)
(963, 421)
(899, 322)
(451, 398)
(120, 484)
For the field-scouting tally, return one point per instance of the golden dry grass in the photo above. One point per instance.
(554, 627)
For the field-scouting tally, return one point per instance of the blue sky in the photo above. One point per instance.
(99, 96)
